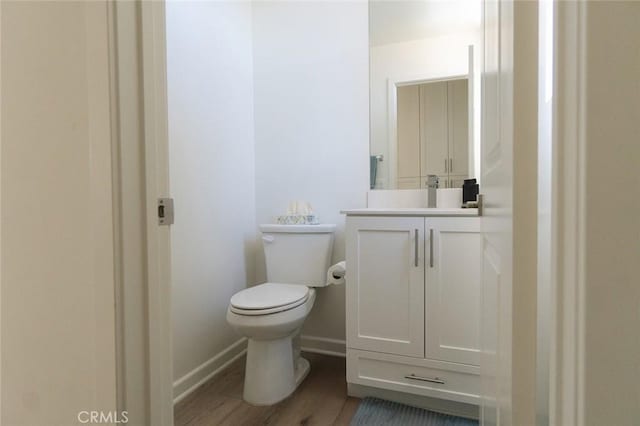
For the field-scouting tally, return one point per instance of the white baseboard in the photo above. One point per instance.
(323, 345)
(201, 374)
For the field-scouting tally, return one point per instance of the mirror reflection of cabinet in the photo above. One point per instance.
(433, 133)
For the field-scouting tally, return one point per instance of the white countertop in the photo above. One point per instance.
(410, 212)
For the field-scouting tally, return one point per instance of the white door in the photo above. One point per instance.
(453, 265)
(385, 290)
(497, 234)
(58, 240)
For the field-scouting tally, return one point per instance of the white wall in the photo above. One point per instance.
(311, 122)
(417, 59)
(58, 333)
(210, 94)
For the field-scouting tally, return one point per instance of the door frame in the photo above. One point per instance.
(568, 215)
(156, 157)
(141, 176)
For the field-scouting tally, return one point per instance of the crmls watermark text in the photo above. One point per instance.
(97, 417)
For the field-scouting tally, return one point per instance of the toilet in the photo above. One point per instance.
(271, 314)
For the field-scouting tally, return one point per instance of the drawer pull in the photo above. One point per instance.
(415, 239)
(425, 379)
(431, 248)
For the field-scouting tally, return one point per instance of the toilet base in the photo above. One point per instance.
(302, 370)
(270, 375)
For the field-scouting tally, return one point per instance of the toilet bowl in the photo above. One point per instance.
(274, 367)
(271, 315)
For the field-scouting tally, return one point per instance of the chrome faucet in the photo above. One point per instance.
(432, 185)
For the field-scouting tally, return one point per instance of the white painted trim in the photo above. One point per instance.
(133, 341)
(118, 251)
(156, 148)
(568, 217)
(323, 345)
(400, 81)
(191, 381)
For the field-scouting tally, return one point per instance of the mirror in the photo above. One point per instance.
(424, 92)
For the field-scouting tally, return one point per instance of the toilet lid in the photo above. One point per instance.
(268, 296)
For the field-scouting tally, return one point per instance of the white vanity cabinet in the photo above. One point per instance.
(413, 305)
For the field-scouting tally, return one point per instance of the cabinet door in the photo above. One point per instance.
(454, 251)
(409, 183)
(385, 285)
(434, 129)
(408, 132)
(458, 121)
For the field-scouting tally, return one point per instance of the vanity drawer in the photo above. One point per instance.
(455, 382)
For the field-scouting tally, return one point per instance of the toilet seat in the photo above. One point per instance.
(268, 298)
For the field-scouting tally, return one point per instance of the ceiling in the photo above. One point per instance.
(403, 20)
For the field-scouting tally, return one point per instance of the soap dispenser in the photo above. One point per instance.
(470, 190)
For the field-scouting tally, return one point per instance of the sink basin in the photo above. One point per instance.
(449, 198)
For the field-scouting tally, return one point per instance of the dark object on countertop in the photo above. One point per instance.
(470, 190)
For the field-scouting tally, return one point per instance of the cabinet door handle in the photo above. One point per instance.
(445, 166)
(425, 379)
(451, 165)
(431, 248)
(415, 250)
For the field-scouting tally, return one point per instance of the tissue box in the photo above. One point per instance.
(297, 219)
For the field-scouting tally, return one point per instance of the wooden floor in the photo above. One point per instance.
(320, 400)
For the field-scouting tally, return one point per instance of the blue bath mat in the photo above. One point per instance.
(374, 412)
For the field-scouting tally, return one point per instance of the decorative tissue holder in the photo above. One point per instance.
(297, 219)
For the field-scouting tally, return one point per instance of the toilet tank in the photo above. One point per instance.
(298, 254)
